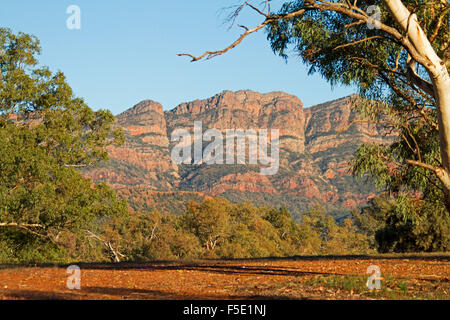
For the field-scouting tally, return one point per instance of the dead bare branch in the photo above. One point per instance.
(211, 54)
(107, 244)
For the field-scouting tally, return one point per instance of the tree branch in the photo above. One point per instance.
(423, 165)
(414, 77)
(439, 23)
(211, 54)
(440, 172)
(107, 244)
(27, 225)
(356, 42)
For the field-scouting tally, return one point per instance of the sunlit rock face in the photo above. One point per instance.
(316, 144)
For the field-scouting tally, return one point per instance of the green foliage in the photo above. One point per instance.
(411, 215)
(209, 221)
(151, 236)
(354, 54)
(252, 235)
(425, 227)
(45, 135)
(322, 235)
(328, 43)
(216, 228)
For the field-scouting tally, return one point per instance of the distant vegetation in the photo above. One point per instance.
(217, 228)
(213, 228)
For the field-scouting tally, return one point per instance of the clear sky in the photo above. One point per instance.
(125, 52)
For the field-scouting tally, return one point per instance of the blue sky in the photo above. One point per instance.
(125, 52)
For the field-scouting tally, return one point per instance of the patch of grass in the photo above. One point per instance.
(391, 287)
(403, 286)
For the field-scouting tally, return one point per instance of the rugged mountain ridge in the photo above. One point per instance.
(313, 153)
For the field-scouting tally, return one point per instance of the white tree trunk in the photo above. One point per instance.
(438, 73)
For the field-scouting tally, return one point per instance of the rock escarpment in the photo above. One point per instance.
(315, 146)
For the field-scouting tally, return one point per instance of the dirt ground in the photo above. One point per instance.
(402, 277)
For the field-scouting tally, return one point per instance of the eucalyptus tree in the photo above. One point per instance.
(46, 135)
(396, 52)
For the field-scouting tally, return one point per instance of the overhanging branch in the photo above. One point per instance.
(440, 172)
(211, 54)
(353, 12)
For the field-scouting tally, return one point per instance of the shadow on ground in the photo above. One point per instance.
(212, 264)
(93, 293)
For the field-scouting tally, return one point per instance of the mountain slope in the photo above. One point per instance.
(313, 164)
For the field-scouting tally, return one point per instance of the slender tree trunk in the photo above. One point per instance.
(442, 89)
(439, 76)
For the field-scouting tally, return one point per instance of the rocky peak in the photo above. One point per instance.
(246, 109)
(147, 121)
(142, 108)
(242, 100)
(314, 153)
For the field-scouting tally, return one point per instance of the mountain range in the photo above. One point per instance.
(315, 146)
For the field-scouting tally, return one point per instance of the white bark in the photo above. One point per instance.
(108, 245)
(24, 225)
(438, 73)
